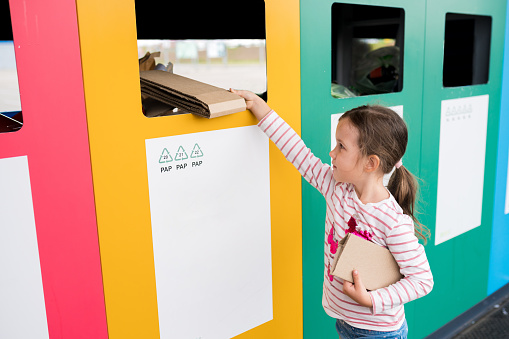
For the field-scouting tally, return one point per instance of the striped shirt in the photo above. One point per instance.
(384, 220)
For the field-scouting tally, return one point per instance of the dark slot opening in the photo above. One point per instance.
(367, 49)
(211, 42)
(11, 117)
(466, 50)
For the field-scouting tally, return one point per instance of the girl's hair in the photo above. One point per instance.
(382, 132)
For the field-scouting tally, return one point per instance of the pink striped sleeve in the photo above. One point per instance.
(417, 279)
(318, 174)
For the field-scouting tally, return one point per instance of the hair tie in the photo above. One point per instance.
(399, 163)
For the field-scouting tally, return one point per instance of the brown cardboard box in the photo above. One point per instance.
(376, 265)
(190, 95)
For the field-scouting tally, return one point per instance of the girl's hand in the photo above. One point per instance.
(357, 291)
(254, 103)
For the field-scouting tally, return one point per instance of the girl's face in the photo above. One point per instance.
(346, 156)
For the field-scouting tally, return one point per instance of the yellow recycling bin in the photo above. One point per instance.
(190, 238)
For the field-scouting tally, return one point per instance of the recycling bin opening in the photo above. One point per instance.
(467, 44)
(212, 45)
(11, 118)
(367, 50)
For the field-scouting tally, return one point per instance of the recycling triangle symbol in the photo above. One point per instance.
(181, 154)
(165, 157)
(196, 153)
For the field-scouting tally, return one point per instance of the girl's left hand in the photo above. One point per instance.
(357, 291)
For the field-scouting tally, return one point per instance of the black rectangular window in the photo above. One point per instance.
(11, 118)
(214, 44)
(367, 49)
(466, 50)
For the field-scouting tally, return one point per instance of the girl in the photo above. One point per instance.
(371, 141)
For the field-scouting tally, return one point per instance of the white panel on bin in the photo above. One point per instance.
(22, 308)
(210, 209)
(463, 128)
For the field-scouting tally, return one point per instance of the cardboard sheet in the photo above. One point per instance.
(190, 95)
(148, 62)
(375, 263)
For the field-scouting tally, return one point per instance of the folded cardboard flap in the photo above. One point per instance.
(190, 95)
(376, 265)
(148, 62)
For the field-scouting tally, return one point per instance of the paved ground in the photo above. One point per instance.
(494, 325)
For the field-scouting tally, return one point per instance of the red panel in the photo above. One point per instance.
(55, 139)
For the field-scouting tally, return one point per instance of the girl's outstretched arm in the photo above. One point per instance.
(254, 103)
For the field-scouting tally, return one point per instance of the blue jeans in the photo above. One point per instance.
(346, 331)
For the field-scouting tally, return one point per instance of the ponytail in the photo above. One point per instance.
(403, 186)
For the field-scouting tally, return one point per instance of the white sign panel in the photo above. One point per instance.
(463, 128)
(210, 211)
(334, 124)
(22, 307)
